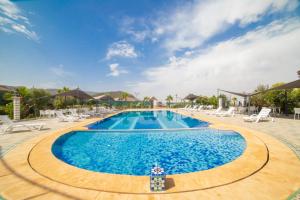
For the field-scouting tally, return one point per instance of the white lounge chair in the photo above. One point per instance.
(10, 126)
(297, 112)
(262, 115)
(209, 107)
(229, 112)
(183, 107)
(194, 108)
(66, 118)
(42, 113)
(187, 107)
(75, 114)
(200, 108)
(215, 111)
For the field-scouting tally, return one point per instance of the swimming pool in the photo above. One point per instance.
(148, 120)
(134, 152)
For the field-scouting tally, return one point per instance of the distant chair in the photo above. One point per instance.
(200, 108)
(297, 112)
(75, 114)
(229, 112)
(42, 113)
(209, 107)
(65, 118)
(185, 107)
(262, 115)
(10, 125)
(215, 111)
(49, 113)
(194, 108)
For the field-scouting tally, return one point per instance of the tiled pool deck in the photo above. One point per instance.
(277, 179)
(285, 130)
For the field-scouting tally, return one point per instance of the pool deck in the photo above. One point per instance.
(268, 169)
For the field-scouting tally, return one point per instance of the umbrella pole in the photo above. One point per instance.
(285, 103)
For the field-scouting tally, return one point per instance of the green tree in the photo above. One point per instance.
(169, 99)
(124, 96)
(146, 101)
(63, 102)
(202, 100)
(234, 100)
(213, 100)
(146, 98)
(260, 100)
(40, 99)
(276, 98)
(26, 105)
(62, 90)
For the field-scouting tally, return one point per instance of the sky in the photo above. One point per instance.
(149, 47)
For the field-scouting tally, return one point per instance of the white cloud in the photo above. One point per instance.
(266, 55)
(61, 72)
(12, 20)
(193, 23)
(137, 28)
(115, 71)
(121, 49)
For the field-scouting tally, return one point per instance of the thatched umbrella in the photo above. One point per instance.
(77, 93)
(5, 89)
(191, 97)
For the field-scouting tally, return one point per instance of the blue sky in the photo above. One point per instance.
(149, 47)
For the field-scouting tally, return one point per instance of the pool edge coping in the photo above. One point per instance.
(41, 149)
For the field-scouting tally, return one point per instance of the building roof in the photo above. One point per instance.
(77, 93)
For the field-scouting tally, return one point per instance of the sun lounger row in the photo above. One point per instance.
(264, 114)
(197, 107)
(75, 114)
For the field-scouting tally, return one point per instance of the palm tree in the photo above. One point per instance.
(146, 98)
(234, 99)
(124, 96)
(62, 100)
(169, 99)
(64, 89)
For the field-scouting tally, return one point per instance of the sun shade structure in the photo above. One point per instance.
(238, 93)
(77, 93)
(285, 87)
(290, 85)
(191, 97)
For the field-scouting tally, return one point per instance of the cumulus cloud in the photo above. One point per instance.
(13, 21)
(121, 49)
(115, 71)
(265, 55)
(193, 23)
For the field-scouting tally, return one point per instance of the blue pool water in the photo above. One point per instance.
(134, 152)
(147, 120)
